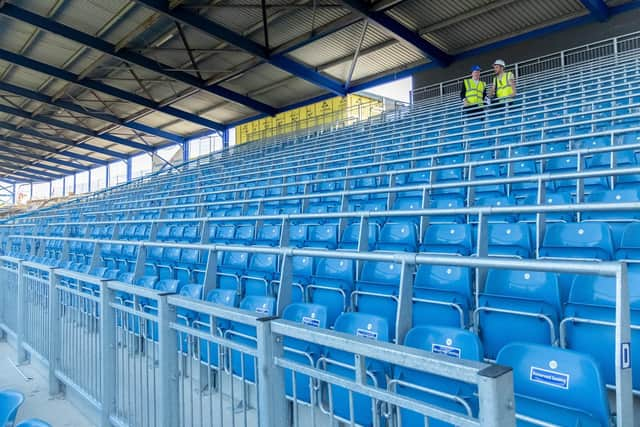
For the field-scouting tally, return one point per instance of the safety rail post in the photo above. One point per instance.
(55, 386)
(495, 394)
(21, 354)
(624, 386)
(168, 364)
(108, 350)
(273, 408)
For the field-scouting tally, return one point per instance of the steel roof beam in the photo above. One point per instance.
(29, 173)
(597, 8)
(183, 15)
(400, 31)
(35, 157)
(74, 128)
(36, 146)
(21, 161)
(129, 56)
(86, 83)
(59, 140)
(70, 106)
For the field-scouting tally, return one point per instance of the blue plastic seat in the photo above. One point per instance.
(341, 363)
(510, 240)
(242, 364)
(492, 172)
(442, 295)
(556, 386)
(312, 315)
(10, 402)
(587, 240)
(33, 422)
(377, 291)
(230, 270)
(398, 236)
(451, 203)
(612, 197)
(322, 236)
(408, 204)
(208, 351)
(629, 248)
(449, 239)
(435, 390)
(549, 199)
(261, 272)
(514, 301)
(500, 201)
(593, 299)
(332, 285)
(349, 238)
(268, 235)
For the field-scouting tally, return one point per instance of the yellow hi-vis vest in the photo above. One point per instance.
(473, 91)
(503, 88)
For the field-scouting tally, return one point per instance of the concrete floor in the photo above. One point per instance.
(38, 404)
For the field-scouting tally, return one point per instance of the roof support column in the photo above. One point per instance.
(225, 138)
(129, 169)
(185, 151)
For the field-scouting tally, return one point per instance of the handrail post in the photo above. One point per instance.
(108, 349)
(21, 356)
(624, 386)
(496, 399)
(272, 402)
(168, 364)
(54, 332)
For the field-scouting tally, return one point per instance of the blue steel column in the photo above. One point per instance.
(185, 151)
(13, 196)
(129, 169)
(107, 175)
(89, 182)
(225, 138)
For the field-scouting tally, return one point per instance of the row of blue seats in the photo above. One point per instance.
(537, 396)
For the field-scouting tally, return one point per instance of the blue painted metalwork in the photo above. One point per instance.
(70, 106)
(30, 174)
(225, 139)
(16, 160)
(74, 128)
(597, 8)
(35, 146)
(129, 169)
(431, 51)
(59, 140)
(67, 76)
(131, 57)
(33, 156)
(185, 16)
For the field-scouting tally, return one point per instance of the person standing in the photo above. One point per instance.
(503, 89)
(473, 93)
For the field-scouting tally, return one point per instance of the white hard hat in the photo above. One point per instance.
(499, 62)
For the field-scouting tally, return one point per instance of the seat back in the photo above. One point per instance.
(558, 377)
(531, 285)
(10, 402)
(453, 342)
(313, 315)
(448, 238)
(363, 325)
(510, 240)
(590, 240)
(381, 272)
(402, 236)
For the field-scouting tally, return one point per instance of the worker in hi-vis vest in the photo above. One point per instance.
(473, 92)
(503, 89)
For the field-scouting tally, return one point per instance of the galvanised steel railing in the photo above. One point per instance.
(94, 329)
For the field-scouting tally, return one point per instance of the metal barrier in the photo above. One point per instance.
(560, 60)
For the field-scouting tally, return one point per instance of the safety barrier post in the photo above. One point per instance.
(624, 386)
(108, 349)
(55, 386)
(168, 364)
(272, 402)
(22, 355)
(495, 394)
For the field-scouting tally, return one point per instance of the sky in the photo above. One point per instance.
(398, 90)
